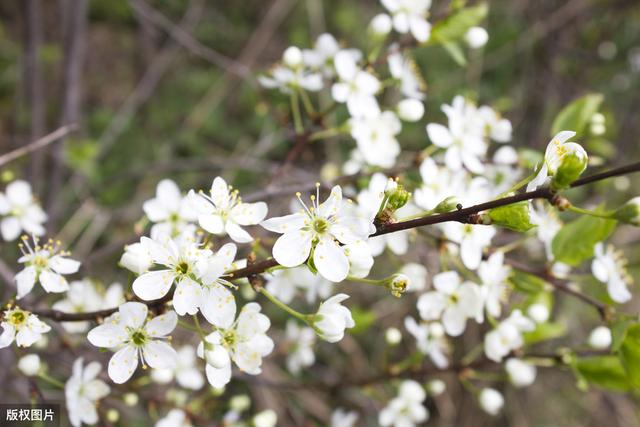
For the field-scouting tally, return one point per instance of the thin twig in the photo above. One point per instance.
(36, 145)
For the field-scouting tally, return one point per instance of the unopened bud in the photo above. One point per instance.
(447, 205)
(267, 418)
(240, 403)
(292, 57)
(130, 399)
(113, 415)
(410, 110)
(217, 356)
(381, 24)
(436, 387)
(476, 37)
(566, 160)
(29, 364)
(397, 196)
(600, 338)
(393, 336)
(629, 212)
(491, 401)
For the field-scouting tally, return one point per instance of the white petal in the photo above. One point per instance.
(187, 296)
(330, 260)
(470, 253)
(249, 213)
(107, 335)
(25, 281)
(19, 193)
(63, 265)
(212, 223)
(10, 228)
(439, 135)
(292, 248)
(53, 282)
(237, 233)
(159, 355)
(420, 28)
(283, 224)
(123, 364)
(220, 192)
(153, 285)
(162, 325)
(218, 306)
(332, 204)
(454, 321)
(218, 378)
(8, 335)
(133, 314)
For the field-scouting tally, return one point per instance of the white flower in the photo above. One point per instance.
(491, 401)
(136, 258)
(476, 37)
(472, 240)
(410, 16)
(356, 87)
(343, 418)
(563, 162)
(407, 409)
(222, 211)
(245, 342)
(266, 418)
(175, 418)
(323, 52)
(185, 371)
(83, 297)
(83, 390)
(132, 336)
(600, 338)
(393, 336)
(608, 267)
(20, 212)
(494, 274)
(548, 225)
(437, 184)
(333, 318)
(292, 57)
(417, 274)
(301, 341)
(45, 264)
(430, 340)
(463, 139)
(22, 326)
(381, 24)
(453, 301)
(375, 135)
(29, 364)
(521, 373)
(507, 336)
(405, 70)
(292, 74)
(322, 227)
(284, 283)
(170, 212)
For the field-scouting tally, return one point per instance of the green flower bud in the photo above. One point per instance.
(447, 205)
(515, 217)
(629, 213)
(565, 160)
(397, 196)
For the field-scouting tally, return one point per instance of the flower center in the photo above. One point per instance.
(40, 262)
(182, 268)
(139, 337)
(320, 225)
(17, 317)
(229, 338)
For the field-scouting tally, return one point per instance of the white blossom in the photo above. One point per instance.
(185, 372)
(301, 340)
(284, 283)
(19, 211)
(170, 211)
(22, 326)
(410, 110)
(333, 318)
(410, 16)
(381, 24)
(608, 267)
(472, 240)
(375, 135)
(292, 74)
(174, 418)
(491, 401)
(406, 72)
(343, 418)
(507, 336)
(407, 409)
(430, 340)
(321, 228)
(83, 296)
(494, 274)
(223, 211)
(244, 342)
(136, 258)
(356, 87)
(548, 225)
(29, 365)
(45, 264)
(538, 312)
(417, 274)
(83, 390)
(521, 373)
(452, 301)
(438, 183)
(600, 338)
(392, 336)
(132, 336)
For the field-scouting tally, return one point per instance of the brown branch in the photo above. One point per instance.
(36, 145)
(461, 215)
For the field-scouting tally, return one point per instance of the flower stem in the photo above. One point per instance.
(302, 317)
(295, 110)
(606, 215)
(54, 382)
(306, 102)
(196, 321)
(375, 282)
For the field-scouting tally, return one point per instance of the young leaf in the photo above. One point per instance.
(630, 354)
(455, 26)
(575, 241)
(577, 114)
(603, 371)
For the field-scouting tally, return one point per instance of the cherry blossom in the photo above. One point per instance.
(407, 409)
(170, 211)
(430, 340)
(301, 340)
(494, 274)
(410, 16)
(19, 212)
(472, 240)
(333, 318)
(356, 88)
(185, 372)
(83, 390)
(22, 326)
(507, 336)
(608, 266)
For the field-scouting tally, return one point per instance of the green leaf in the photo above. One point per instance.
(630, 354)
(577, 114)
(527, 283)
(363, 319)
(456, 52)
(455, 26)
(619, 333)
(545, 332)
(514, 217)
(575, 241)
(603, 371)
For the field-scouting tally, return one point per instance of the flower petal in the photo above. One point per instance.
(159, 355)
(123, 364)
(218, 306)
(163, 325)
(292, 248)
(330, 260)
(153, 285)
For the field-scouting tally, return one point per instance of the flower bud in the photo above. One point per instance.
(292, 57)
(410, 110)
(398, 284)
(240, 403)
(447, 205)
(629, 212)
(476, 37)
(29, 364)
(514, 216)
(491, 401)
(130, 399)
(565, 160)
(539, 313)
(217, 356)
(600, 338)
(267, 418)
(381, 24)
(597, 125)
(436, 387)
(397, 196)
(113, 415)
(393, 336)
(521, 373)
